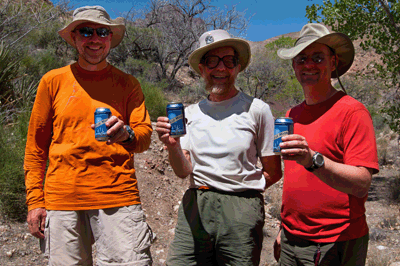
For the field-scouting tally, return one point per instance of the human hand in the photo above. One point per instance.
(295, 148)
(37, 221)
(116, 130)
(163, 128)
(277, 246)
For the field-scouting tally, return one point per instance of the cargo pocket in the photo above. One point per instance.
(143, 234)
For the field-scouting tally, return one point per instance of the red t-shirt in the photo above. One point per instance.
(341, 129)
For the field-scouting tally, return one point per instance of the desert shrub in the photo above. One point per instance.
(8, 72)
(155, 101)
(12, 184)
(194, 92)
(39, 63)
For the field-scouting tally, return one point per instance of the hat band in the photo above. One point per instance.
(306, 39)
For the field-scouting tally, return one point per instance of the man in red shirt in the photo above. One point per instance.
(91, 191)
(329, 160)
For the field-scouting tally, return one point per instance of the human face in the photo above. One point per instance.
(93, 50)
(313, 66)
(220, 80)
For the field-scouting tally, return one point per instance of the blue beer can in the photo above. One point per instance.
(176, 116)
(101, 115)
(283, 126)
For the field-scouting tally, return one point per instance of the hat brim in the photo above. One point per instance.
(340, 42)
(118, 31)
(242, 47)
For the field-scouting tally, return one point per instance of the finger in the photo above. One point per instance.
(162, 131)
(163, 119)
(43, 223)
(111, 121)
(163, 125)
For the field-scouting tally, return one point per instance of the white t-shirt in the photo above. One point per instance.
(225, 140)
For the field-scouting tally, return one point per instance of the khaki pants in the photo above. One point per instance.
(121, 234)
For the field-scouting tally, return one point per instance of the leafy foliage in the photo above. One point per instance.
(270, 78)
(8, 72)
(12, 184)
(376, 24)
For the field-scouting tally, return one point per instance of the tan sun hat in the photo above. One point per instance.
(314, 32)
(95, 14)
(220, 38)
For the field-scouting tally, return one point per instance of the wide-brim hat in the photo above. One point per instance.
(220, 38)
(95, 14)
(318, 33)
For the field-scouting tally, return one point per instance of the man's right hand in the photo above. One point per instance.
(277, 246)
(37, 221)
(163, 128)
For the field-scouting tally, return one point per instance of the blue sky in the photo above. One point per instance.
(270, 17)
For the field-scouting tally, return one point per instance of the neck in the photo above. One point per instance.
(90, 67)
(223, 97)
(314, 95)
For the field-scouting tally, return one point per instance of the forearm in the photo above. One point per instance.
(272, 170)
(180, 161)
(345, 178)
(34, 190)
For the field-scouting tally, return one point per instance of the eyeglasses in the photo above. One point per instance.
(212, 61)
(88, 32)
(316, 58)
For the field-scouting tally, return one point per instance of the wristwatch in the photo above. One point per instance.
(317, 162)
(131, 135)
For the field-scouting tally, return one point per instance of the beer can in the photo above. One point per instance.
(283, 126)
(101, 115)
(176, 116)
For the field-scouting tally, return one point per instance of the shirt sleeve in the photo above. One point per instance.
(265, 138)
(37, 146)
(359, 140)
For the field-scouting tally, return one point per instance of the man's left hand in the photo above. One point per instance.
(116, 130)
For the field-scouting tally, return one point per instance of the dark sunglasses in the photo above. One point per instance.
(212, 61)
(88, 32)
(316, 58)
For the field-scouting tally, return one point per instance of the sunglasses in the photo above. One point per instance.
(88, 32)
(316, 58)
(212, 61)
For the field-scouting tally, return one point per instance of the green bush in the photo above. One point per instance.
(12, 180)
(155, 101)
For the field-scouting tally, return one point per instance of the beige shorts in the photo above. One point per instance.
(121, 235)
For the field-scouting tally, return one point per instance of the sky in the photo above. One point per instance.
(269, 18)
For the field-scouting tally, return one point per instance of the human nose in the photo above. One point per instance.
(221, 65)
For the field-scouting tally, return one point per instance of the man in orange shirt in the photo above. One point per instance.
(91, 191)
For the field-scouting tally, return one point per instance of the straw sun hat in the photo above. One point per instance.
(220, 38)
(95, 14)
(317, 33)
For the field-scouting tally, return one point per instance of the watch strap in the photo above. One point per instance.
(131, 133)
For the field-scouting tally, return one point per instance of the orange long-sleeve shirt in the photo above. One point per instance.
(83, 173)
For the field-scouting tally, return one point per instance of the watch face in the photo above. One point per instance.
(319, 160)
